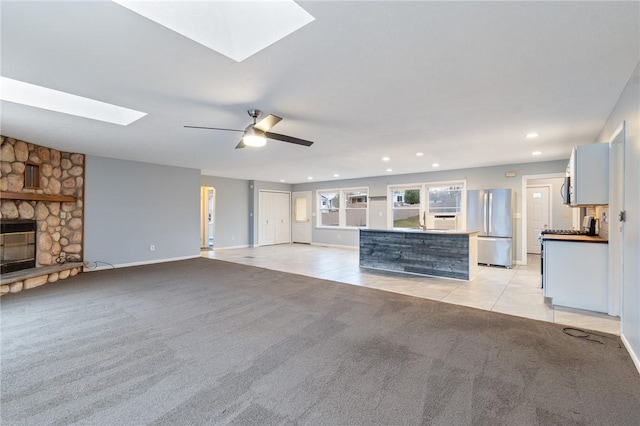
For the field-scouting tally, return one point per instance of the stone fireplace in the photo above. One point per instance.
(43, 186)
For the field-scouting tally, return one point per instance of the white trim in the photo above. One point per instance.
(232, 247)
(523, 210)
(144, 262)
(335, 246)
(632, 354)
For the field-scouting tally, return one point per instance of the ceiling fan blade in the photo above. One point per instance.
(290, 139)
(240, 144)
(267, 123)
(214, 128)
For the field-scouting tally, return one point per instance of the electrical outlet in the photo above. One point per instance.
(152, 248)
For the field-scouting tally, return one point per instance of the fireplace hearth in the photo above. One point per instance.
(17, 245)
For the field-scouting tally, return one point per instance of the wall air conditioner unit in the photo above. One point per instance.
(445, 221)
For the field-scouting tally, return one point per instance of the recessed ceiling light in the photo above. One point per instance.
(236, 29)
(336, 175)
(53, 100)
(419, 154)
(282, 180)
(532, 135)
(386, 158)
(310, 178)
(536, 153)
(389, 170)
(435, 165)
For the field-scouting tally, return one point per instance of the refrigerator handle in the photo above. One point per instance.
(490, 210)
(484, 221)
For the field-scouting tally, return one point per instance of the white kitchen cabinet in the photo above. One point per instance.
(588, 171)
(575, 274)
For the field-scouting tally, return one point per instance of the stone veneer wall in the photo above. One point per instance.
(60, 224)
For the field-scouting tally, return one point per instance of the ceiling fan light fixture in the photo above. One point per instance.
(254, 137)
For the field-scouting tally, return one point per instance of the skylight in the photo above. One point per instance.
(41, 97)
(236, 29)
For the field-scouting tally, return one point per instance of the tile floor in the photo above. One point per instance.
(510, 291)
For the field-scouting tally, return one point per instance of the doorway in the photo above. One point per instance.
(301, 208)
(538, 215)
(207, 216)
(561, 216)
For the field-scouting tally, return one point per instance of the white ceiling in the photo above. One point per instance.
(462, 82)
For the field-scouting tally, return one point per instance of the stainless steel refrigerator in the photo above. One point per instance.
(490, 211)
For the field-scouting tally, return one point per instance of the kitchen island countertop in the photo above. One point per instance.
(426, 231)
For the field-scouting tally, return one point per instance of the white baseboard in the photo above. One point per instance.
(144, 262)
(335, 246)
(632, 354)
(230, 247)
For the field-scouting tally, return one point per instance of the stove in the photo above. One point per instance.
(563, 232)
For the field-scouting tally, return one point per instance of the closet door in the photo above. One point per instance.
(266, 219)
(283, 217)
(274, 218)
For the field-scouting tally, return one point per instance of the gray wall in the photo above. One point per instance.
(628, 109)
(561, 214)
(232, 219)
(130, 206)
(477, 178)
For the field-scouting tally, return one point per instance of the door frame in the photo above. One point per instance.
(204, 211)
(309, 224)
(523, 209)
(549, 204)
(616, 245)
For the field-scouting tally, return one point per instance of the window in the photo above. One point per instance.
(300, 212)
(343, 207)
(417, 205)
(406, 207)
(356, 208)
(329, 208)
(31, 175)
(445, 199)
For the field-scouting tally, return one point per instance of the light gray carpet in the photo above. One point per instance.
(209, 342)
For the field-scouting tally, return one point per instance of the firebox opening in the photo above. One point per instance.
(17, 245)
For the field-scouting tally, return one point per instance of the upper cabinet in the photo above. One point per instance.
(588, 172)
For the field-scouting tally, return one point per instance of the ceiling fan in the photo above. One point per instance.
(256, 134)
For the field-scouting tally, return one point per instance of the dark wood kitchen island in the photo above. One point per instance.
(439, 253)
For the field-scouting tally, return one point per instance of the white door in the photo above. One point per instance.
(266, 219)
(301, 209)
(616, 228)
(274, 218)
(283, 217)
(537, 215)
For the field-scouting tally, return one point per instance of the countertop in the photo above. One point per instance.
(574, 238)
(420, 231)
